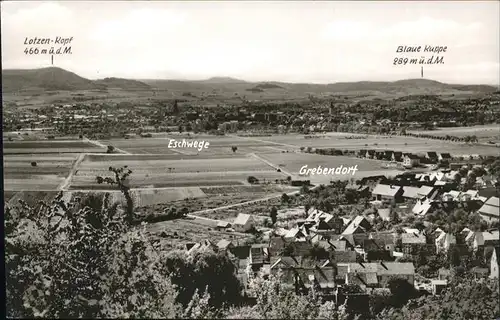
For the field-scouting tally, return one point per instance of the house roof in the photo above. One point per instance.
(386, 190)
(384, 213)
(422, 207)
(242, 219)
(412, 238)
(333, 245)
(410, 192)
(432, 154)
(345, 256)
(296, 232)
(493, 201)
(383, 237)
(363, 279)
(353, 239)
(445, 155)
(223, 244)
(355, 225)
(425, 190)
(489, 236)
(383, 268)
(412, 156)
(223, 224)
(489, 210)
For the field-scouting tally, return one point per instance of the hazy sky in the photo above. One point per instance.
(310, 41)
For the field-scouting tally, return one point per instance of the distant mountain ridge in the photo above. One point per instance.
(54, 78)
(58, 79)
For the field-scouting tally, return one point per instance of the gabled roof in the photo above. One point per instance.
(383, 268)
(363, 279)
(386, 190)
(344, 256)
(412, 238)
(355, 225)
(410, 192)
(490, 236)
(242, 219)
(333, 245)
(445, 155)
(223, 224)
(384, 213)
(493, 201)
(224, 244)
(412, 156)
(383, 237)
(489, 209)
(425, 190)
(422, 207)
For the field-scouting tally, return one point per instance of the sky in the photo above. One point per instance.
(310, 41)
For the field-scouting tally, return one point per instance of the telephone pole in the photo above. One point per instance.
(422, 71)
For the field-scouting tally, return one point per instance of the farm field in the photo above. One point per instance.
(395, 143)
(49, 172)
(49, 146)
(161, 171)
(218, 145)
(292, 162)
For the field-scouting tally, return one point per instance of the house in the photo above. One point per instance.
(397, 156)
(223, 225)
(370, 154)
(362, 153)
(199, 245)
(388, 154)
(224, 244)
(494, 263)
(411, 160)
(352, 241)
(444, 274)
(410, 192)
(358, 225)
(243, 223)
(304, 273)
(444, 157)
(391, 193)
(259, 254)
(426, 192)
(379, 273)
(432, 157)
(438, 286)
(379, 247)
(444, 241)
(480, 273)
(413, 243)
(325, 221)
(384, 213)
(296, 234)
(490, 210)
(372, 180)
(344, 256)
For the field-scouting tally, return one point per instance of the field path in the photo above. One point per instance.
(264, 141)
(65, 184)
(101, 145)
(269, 163)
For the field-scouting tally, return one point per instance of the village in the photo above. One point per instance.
(440, 224)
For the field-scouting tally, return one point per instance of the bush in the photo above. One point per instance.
(252, 180)
(33, 164)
